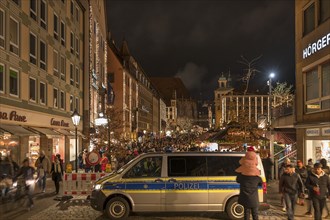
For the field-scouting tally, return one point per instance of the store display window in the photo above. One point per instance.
(59, 147)
(9, 146)
(318, 149)
(34, 149)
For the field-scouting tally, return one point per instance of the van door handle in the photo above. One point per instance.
(172, 180)
(158, 180)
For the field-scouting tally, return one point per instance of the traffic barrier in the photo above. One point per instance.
(79, 183)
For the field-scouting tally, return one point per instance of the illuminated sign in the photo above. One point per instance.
(313, 132)
(326, 131)
(313, 106)
(316, 46)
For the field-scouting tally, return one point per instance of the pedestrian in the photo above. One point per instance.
(318, 184)
(268, 166)
(27, 172)
(249, 179)
(290, 187)
(57, 173)
(43, 168)
(326, 169)
(301, 170)
(280, 173)
(103, 162)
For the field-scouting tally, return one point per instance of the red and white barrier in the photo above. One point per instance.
(79, 183)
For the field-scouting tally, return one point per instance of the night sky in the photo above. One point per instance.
(198, 40)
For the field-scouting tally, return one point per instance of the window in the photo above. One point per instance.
(63, 67)
(13, 82)
(55, 63)
(33, 92)
(324, 10)
(77, 77)
(33, 49)
(17, 2)
(2, 28)
(312, 91)
(318, 88)
(77, 104)
(62, 105)
(147, 167)
(71, 103)
(55, 27)
(77, 47)
(77, 14)
(72, 43)
(55, 98)
(71, 74)
(222, 166)
(71, 8)
(94, 27)
(33, 9)
(309, 19)
(62, 33)
(43, 54)
(14, 35)
(187, 166)
(2, 78)
(43, 14)
(43, 93)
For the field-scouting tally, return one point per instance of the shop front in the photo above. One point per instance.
(25, 133)
(317, 144)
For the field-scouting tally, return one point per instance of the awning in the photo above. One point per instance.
(46, 131)
(64, 132)
(78, 133)
(17, 130)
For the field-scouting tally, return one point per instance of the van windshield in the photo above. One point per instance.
(126, 165)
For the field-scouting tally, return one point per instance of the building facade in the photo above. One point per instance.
(95, 77)
(312, 40)
(41, 76)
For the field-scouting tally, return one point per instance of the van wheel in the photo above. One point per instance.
(234, 210)
(117, 208)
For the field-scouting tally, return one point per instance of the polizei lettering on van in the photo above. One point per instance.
(186, 185)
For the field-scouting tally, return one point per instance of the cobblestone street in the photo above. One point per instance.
(79, 208)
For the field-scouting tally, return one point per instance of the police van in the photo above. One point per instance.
(174, 182)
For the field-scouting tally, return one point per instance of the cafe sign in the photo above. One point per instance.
(12, 116)
(61, 123)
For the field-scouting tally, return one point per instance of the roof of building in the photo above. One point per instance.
(167, 86)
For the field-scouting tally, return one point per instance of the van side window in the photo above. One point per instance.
(147, 167)
(222, 166)
(187, 166)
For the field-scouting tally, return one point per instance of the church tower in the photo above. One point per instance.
(224, 88)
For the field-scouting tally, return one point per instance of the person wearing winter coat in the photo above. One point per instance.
(57, 173)
(43, 168)
(290, 187)
(249, 180)
(318, 184)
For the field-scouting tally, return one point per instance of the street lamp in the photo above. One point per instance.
(271, 138)
(75, 120)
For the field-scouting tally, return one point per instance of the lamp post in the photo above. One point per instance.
(75, 120)
(271, 138)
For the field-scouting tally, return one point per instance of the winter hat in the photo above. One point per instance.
(249, 164)
(250, 148)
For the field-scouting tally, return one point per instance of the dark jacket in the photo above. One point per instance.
(57, 176)
(291, 184)
(248, 196)
(27, 173)
(322, 181)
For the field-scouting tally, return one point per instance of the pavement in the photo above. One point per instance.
(45, 207)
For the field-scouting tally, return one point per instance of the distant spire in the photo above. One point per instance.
(124, 48)
(229, 79)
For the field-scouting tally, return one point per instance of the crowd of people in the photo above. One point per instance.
(310, 182)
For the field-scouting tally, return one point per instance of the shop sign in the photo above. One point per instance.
(316, 46)
(61, 123)
(326, 131)
(12, 116)
(313, 106)
(313, 132)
